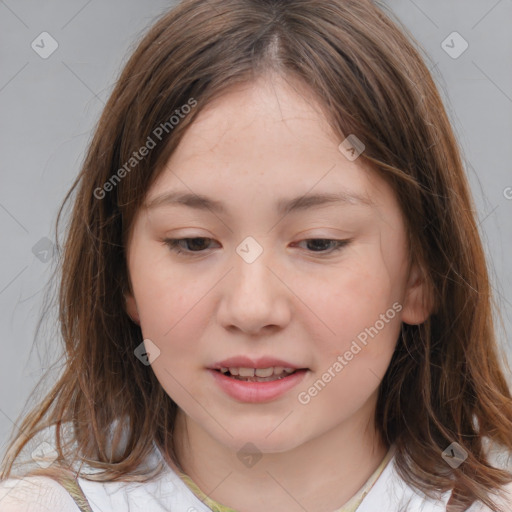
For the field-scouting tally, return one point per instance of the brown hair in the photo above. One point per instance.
(444, 383)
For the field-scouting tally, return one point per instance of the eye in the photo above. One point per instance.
(319, 243)
(197, 245)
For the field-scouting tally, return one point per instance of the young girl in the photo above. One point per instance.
(273, 293)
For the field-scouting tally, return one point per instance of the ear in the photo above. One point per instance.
(131, 307)
(417, 305)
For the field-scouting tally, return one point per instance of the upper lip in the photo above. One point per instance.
(247, 362)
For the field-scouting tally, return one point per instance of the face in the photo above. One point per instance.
(322, 285)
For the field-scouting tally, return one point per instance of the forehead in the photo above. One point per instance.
(270, 106)
(265, 145)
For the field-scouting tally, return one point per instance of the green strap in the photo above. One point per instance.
(70, 483)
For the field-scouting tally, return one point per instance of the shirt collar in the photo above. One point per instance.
(351, 506)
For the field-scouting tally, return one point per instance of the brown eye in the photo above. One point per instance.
(325, 245)
(193, 245)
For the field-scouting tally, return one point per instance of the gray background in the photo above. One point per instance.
(50, 106)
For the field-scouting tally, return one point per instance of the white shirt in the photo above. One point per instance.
(167, 492)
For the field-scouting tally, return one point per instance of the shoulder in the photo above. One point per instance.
(35, 494)
(391, 494)
(503, 499)
(161, 493)
(499, 457)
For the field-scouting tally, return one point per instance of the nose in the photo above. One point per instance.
(255, 297)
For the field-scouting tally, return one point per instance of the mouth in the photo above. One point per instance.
(259, 374)
(260, 380)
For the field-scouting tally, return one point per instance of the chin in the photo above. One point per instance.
(261, 441)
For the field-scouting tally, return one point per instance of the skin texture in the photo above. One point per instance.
(299, 301)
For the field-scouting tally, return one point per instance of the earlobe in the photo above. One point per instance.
(131, 308)
(417, 305)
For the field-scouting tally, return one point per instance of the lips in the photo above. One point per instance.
(254, 390)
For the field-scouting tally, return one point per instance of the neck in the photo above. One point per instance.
(321, 474)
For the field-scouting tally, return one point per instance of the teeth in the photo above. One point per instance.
(265, 372)
(258, 372)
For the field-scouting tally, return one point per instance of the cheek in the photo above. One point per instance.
(173, 316)
(171, 307)
(169, 312)
(359, 308)
(163, 291)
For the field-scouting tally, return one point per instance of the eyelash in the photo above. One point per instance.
(172, 243)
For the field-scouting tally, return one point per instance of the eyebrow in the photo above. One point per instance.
(283, 206)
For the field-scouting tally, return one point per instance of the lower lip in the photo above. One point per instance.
(256, 392)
